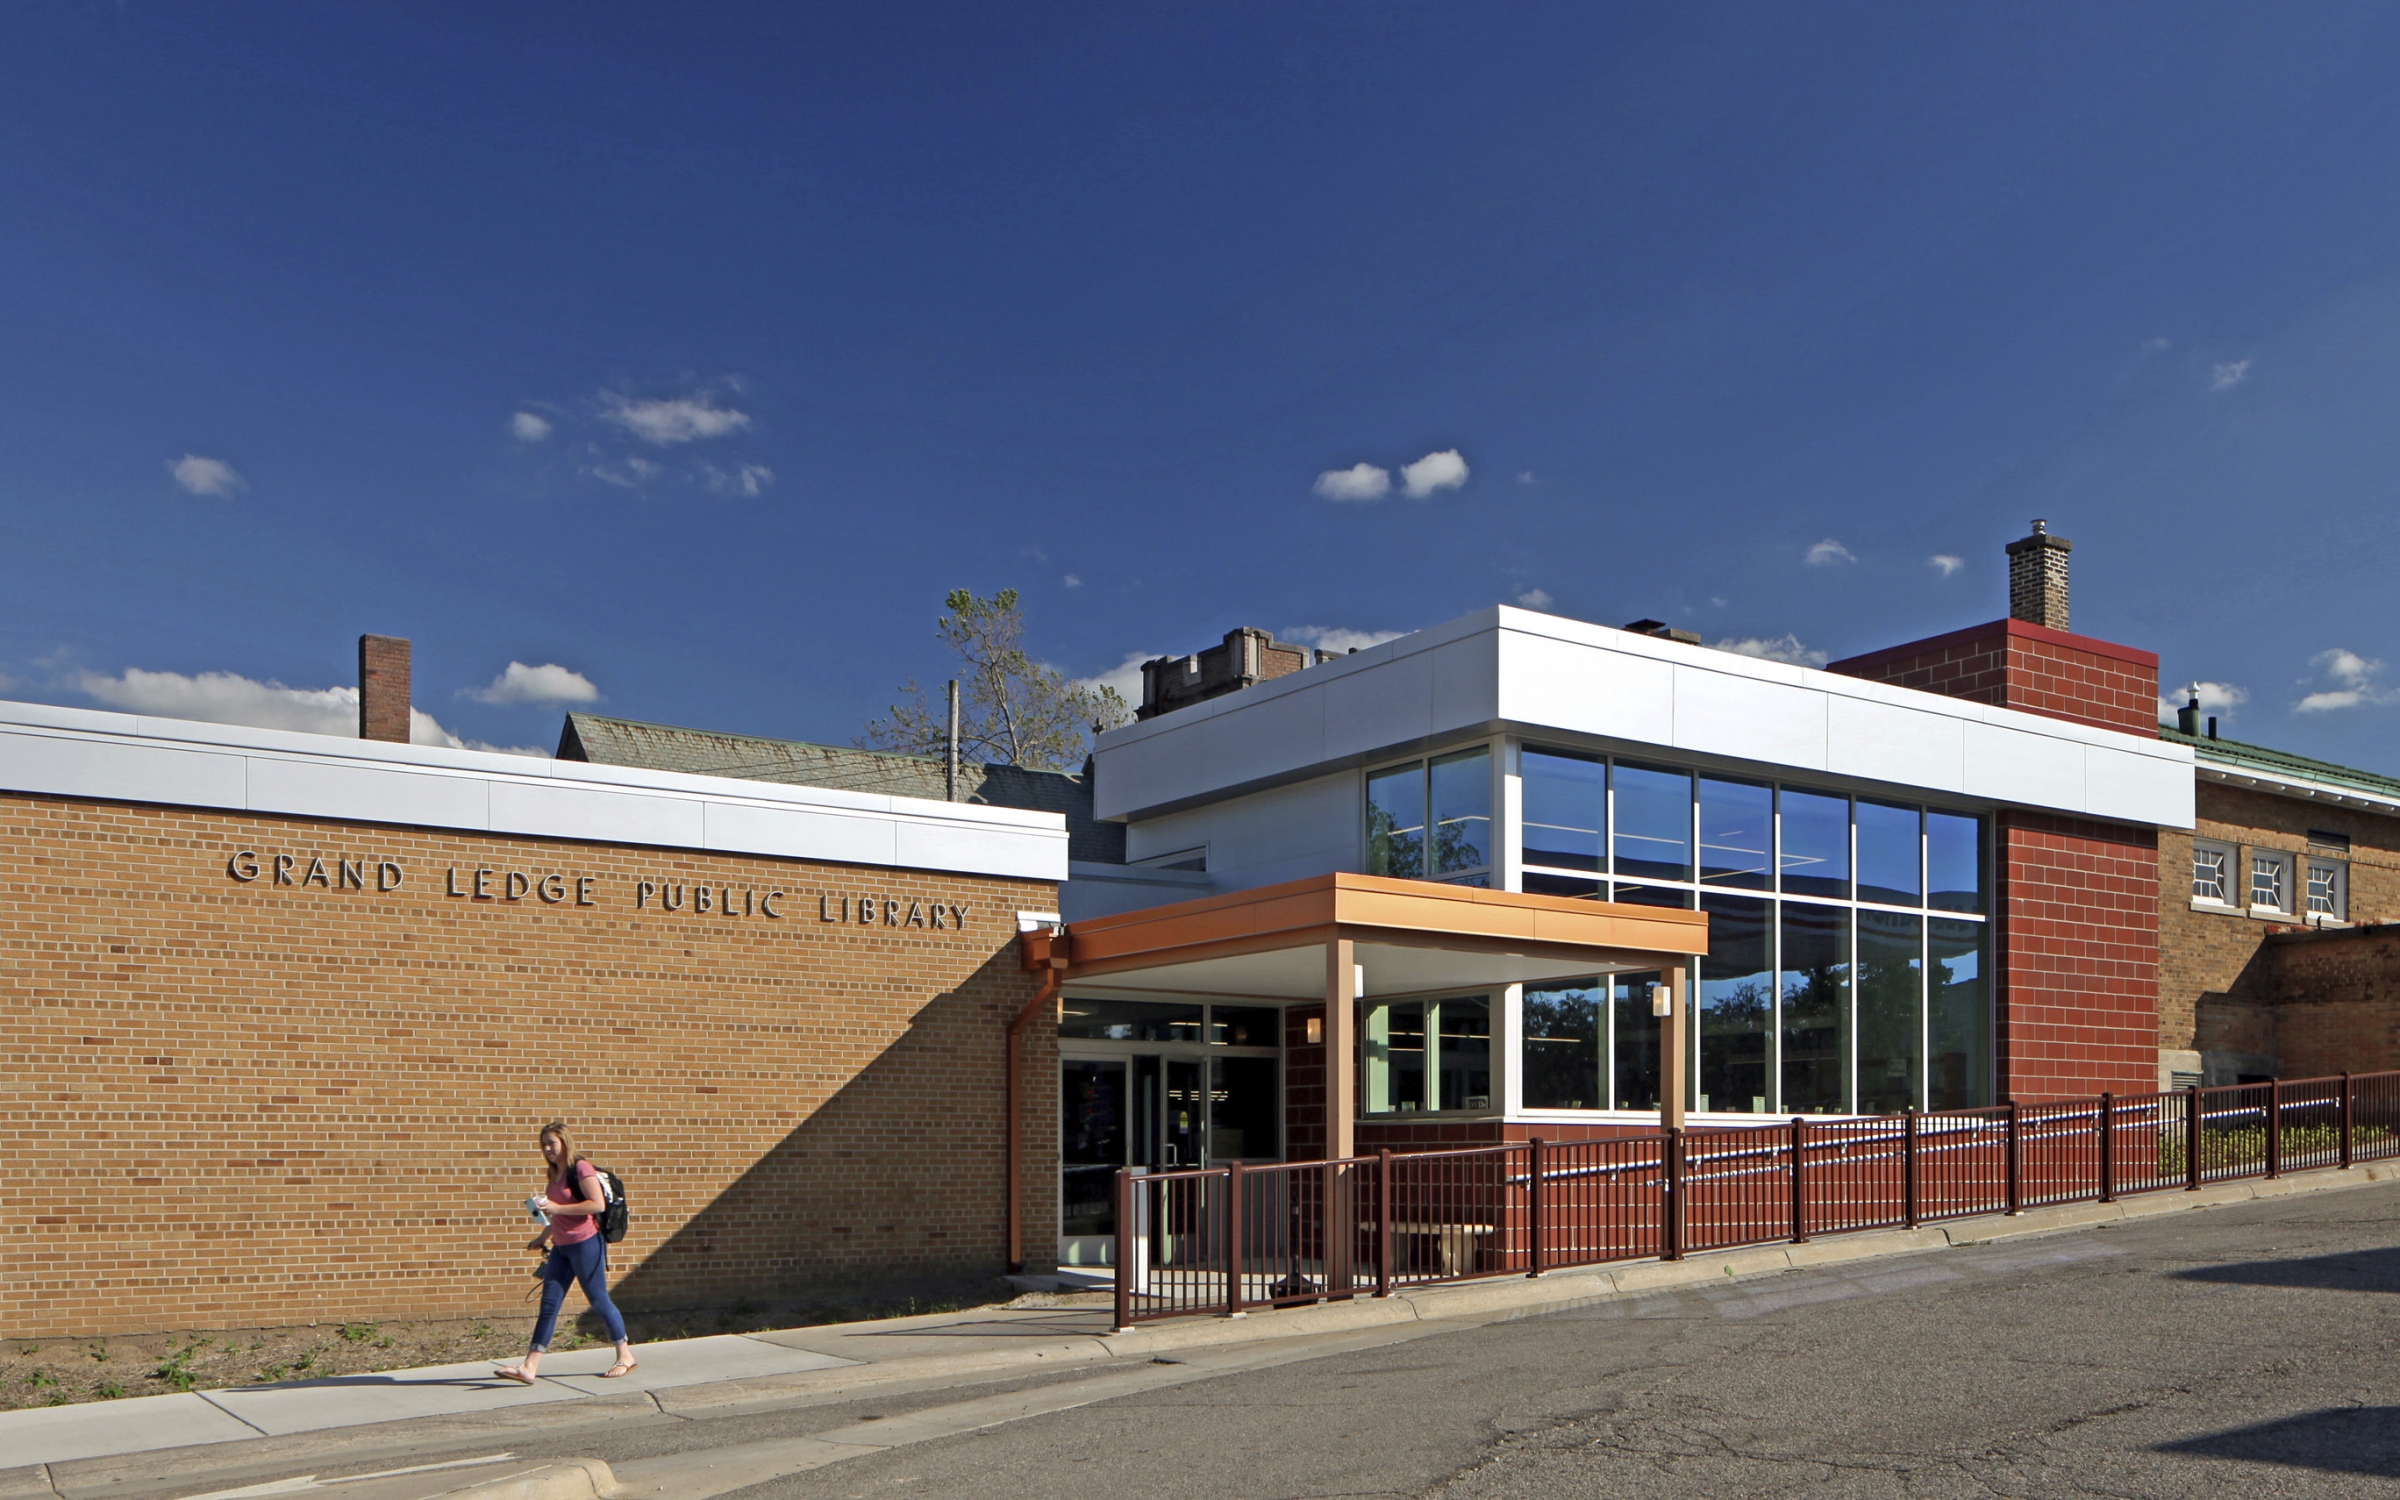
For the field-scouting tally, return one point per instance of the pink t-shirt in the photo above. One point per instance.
(573, 1229)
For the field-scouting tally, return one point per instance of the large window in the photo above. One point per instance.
(1847, 968)
(1429, 1055)
(1432, 819)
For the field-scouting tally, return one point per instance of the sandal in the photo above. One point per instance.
(510, 1372)
(621, 1367)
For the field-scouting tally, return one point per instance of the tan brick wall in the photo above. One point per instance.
(229, 1104)
(2208, 959)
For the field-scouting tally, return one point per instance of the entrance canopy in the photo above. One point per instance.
(1317, 939)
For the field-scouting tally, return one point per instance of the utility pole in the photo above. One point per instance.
(950, 766)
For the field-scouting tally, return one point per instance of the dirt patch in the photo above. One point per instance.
(60, 1372)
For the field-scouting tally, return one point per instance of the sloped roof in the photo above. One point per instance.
(664, 747)
(2261, 761)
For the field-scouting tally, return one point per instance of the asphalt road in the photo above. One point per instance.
(2250, 1351)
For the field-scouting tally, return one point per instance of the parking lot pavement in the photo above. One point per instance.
(2251, 1351)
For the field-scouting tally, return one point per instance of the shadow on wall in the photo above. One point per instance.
(2375, 1270)
(899, 1175)
(2338, 1440)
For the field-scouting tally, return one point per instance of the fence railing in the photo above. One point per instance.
(1222, 1239)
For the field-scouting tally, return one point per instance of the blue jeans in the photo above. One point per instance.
(585, 1261)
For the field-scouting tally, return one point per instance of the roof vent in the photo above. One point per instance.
(1663, 631)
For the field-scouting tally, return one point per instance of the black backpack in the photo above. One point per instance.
(613, 1218)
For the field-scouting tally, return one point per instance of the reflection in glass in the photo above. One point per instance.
(1462, 812)
(1566, 810)
(1654, 823)
(1463, 1052)
(1245, 1026)
(1816, 844)
(1890, 1010)
(1396, 1059)
(1636, 1039)
(1243, 1107)
(1959, 1018)
(1127, 1020)
(1091, 1145)
(1816, 1009)
(1396, 822)
(1954, 861)
(1561, 1047)
(1538, 883)
(1887, 853)
(1653, 895)
(1737, 1007)
(1737, 823)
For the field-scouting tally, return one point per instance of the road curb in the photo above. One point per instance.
(573, 1479)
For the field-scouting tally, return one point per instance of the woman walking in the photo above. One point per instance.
(573, 1201)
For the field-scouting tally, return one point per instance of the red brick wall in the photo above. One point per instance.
(2016, 664)
(2078, 965)
(226, 1103)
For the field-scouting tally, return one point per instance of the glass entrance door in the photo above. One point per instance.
(1160, 1110)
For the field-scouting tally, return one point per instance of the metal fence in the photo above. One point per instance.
(1223, 1239)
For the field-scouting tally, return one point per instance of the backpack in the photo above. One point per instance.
(613, 1218)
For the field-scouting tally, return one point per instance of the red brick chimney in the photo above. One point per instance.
(383, 688)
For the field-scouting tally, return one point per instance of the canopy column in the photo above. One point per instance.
(1341, 1047)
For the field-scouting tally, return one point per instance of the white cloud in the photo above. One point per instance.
(682, 420)
(1434, 472)
(1783, 648)
(1829, 551)
(749, 479)
(1125, 677)
(1073, 582)
(1338, 640)
(2215, 698)
(525, 427)
(549, 683)
(2356, 685)
(205, 476)
(1525, 476)
(1359, 483)
(1535, 599)
(632, 474)
(2226, 376)
(229, 698)
(1948, 562)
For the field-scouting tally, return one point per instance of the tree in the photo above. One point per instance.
(1012, 709)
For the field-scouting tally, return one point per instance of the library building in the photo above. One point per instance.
(842, 1017)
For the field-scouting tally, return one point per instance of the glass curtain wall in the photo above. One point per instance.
(1432, 819)
(1849, 941)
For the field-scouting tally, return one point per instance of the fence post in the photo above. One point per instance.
(2106, 1125)
(1383, 1225)
(1799, 1181)
(1124, 1276)
(1333, 1231)
(2274, 1127)
(2345, 1119)
(2016, 1168)
(1233, 1240)
(1908, 1167)
(1533, 1204)
(1670, 1229)
(2191, 1139)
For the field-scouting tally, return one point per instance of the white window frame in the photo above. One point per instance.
(2336, 911)
(2227, 873)
(2259, 862)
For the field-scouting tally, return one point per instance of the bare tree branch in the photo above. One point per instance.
(1012, 709)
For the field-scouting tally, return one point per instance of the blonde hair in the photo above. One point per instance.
(565, 1166)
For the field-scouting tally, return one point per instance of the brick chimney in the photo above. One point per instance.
(2037, 578)
(383, 688)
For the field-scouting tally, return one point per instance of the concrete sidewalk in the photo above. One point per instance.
(725, 1374)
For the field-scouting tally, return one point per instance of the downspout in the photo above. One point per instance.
(1046, 949)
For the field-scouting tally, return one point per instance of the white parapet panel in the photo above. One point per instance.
(109, 757)
(1515, 671)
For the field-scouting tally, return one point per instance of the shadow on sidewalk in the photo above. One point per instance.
(2376, 1270)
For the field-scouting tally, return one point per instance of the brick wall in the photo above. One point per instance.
(2018, 664)
(2334, 1000)
(2078, 965)
(228, 1103)
(2208, 965)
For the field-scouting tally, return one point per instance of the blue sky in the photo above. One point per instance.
(687, 356)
